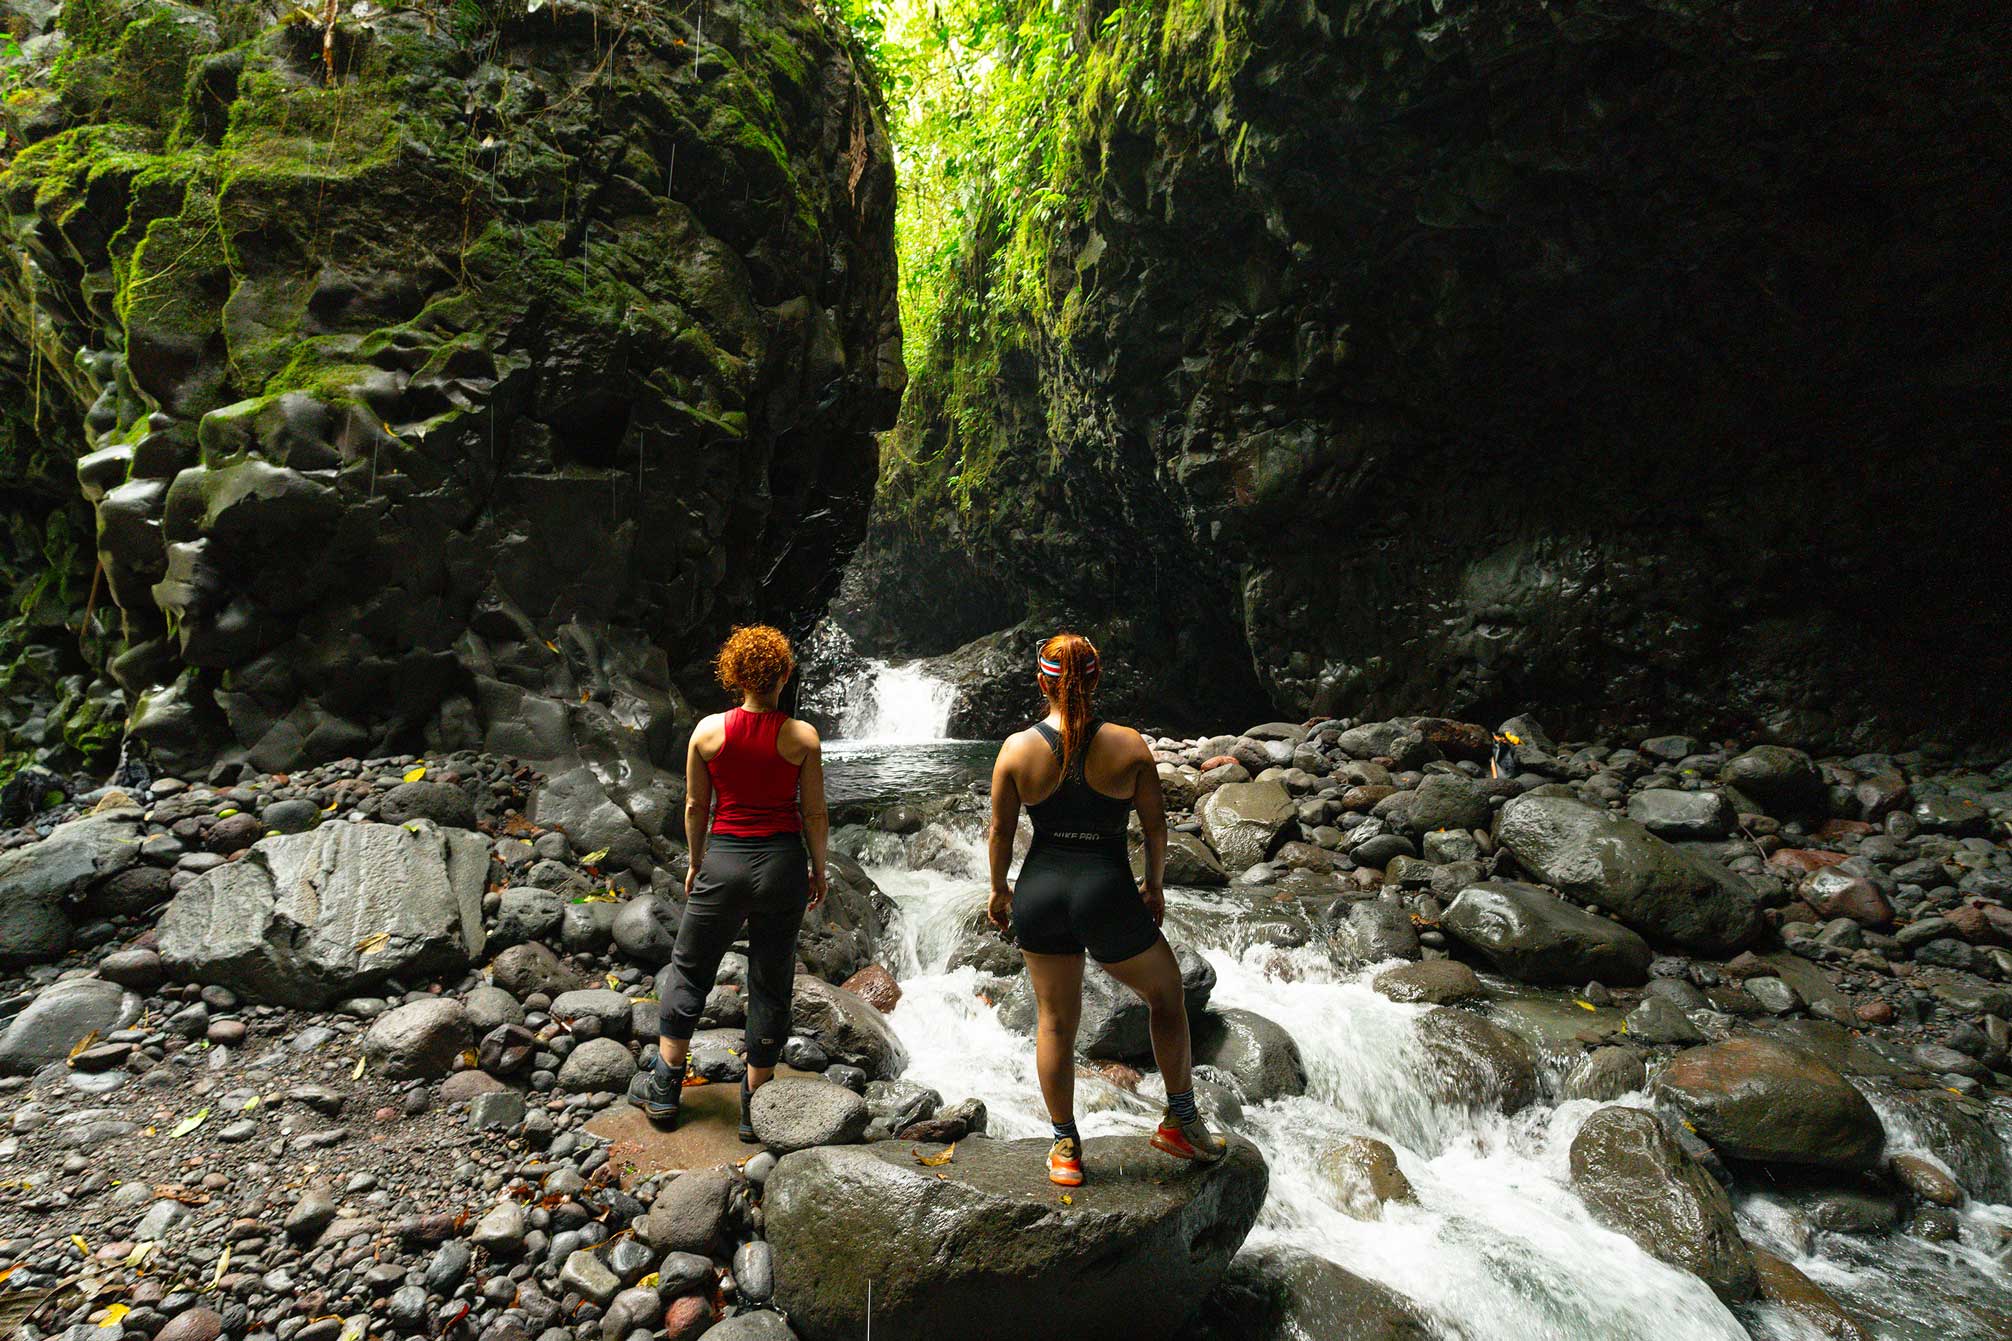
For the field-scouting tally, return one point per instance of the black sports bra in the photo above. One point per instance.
(1076, 812)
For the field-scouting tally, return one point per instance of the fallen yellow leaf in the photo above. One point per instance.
(82, 1246)
(82, 1043)
(189, 1124)
(594, 858)
(4, 1274)
(415, 773)
(943, 1156)
(648, 1282)
(223, 1264)
(358, 1072)
(1583, 1005)
(115, 1314)
(250, 1104)
(1068, 1200)
(141, 1252)
(372, 943)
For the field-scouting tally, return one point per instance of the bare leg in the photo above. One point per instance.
(759, 1076)
(1156, 977)
(1058, 999)
(674, 1051)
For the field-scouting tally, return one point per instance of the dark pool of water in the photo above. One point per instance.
(863, 773)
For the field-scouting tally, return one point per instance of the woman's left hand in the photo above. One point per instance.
(819, 886)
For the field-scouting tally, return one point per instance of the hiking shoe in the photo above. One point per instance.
(665, 1091)
(1065, 1163)
(747, 1132)
(1193, 1139)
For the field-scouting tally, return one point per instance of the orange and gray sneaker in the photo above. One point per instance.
(1065, 1162)
(1193, 1139)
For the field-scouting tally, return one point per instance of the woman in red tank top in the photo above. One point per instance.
(749, 864)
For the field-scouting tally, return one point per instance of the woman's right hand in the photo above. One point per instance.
(1156, 900)
(691, 877)
(999, 910)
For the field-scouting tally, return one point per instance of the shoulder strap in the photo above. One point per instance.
(1053, 737)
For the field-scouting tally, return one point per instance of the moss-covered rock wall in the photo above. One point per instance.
(1635, 363)
(455, 374)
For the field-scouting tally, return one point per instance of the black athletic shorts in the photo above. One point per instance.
(1071, 899)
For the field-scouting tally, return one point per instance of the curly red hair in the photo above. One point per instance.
(754, 659)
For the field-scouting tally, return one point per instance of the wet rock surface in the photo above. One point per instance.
(486, 1105)
(1139, 1248)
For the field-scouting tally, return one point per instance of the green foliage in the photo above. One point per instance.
(1000, 111)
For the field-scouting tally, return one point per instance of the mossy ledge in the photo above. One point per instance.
(451, 381)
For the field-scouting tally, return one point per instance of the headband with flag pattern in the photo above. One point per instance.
(1053, 669)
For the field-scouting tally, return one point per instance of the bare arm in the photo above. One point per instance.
(698, 808)
(1151, 804)
(816, 822)
(999, 841)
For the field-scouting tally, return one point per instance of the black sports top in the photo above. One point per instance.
(1076, 812)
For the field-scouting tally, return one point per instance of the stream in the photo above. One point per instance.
(1497, 1246)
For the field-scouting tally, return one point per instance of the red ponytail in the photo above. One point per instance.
(1069, 673)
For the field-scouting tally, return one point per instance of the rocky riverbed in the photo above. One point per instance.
(345, 1052)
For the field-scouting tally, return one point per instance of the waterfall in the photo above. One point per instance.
(896, 704)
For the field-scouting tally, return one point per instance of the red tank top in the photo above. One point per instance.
(755, 786)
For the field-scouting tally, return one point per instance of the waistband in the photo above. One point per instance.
(790, 839)
(1083, 840)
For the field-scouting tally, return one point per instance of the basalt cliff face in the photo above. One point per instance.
(1633, 363)
(453, 375)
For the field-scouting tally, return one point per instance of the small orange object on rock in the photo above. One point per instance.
(875, 986)
(1803, 860)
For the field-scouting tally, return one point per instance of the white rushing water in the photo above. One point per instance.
(1497, 1247)
(896, 705)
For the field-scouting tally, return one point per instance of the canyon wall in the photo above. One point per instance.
(452, 376)
(1638, 364)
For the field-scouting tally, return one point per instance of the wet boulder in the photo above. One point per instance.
(1669, 813)
(1373, 930)
(1593, 856)
(1434, 982)
(1531, 934)
(1787, 1288)
(421, 1039)
(306, 919)
(1259, 1053)
(39, 881)
(1761, 1100)
(645, 928)
(1189, 863)
(1472, 1062)
(61, 1016)
(531, 967)
(791, 1114)
(849, 1030)
(1636, 1179)
(1439, 801)
(1784, 781)
(1363, 1175)
(1133, 1253)
(1244, 821)
(1276, 1292)
(1605, 1074)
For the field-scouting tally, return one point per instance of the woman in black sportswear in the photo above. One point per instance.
(1080, 779)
